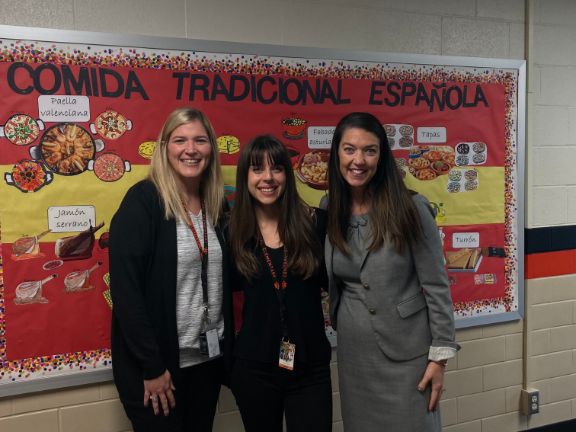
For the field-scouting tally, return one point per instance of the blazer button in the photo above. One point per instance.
(366, 286)
(372, 311)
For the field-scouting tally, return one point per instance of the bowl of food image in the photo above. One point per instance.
(440, 167)
(313, 169)
(294, 126)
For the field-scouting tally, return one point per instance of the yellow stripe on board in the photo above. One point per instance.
(26, 213)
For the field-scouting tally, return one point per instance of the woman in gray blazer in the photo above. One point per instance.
(389, 294)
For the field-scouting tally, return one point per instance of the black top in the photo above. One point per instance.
(143, 266)
(261, 332)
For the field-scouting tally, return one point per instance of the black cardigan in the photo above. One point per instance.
(143, 266)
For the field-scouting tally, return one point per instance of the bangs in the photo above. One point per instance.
(274, 152)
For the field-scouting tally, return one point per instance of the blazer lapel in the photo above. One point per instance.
(364, 257)
(329, 253)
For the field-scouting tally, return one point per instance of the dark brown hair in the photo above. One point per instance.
(393, 215)
(295, 226)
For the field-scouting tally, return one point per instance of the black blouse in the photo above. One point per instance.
(261, 332)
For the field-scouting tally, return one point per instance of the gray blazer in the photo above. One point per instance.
(407, 294)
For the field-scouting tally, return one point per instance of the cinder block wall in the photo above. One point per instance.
(550, 295)
(483, 383)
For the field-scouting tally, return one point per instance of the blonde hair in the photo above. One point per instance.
(164, 177)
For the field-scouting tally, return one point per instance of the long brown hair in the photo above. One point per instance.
(393, 215)
(163, 176)
(295, 226)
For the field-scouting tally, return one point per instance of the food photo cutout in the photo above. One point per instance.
(75, 277)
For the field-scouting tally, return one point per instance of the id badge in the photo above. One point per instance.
(209, 343)
(287, 353)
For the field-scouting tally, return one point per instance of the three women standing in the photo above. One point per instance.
(168, 270)
(389, 294)
(169, 265)
(281, 356)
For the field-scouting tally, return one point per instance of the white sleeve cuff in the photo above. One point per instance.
(438, 353)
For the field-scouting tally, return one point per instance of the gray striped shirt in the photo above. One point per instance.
(189, 300)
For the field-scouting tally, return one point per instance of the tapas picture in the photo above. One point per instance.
(429, 162)
(400, 136)
(471, 153)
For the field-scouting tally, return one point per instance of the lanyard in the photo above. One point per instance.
(203, 250)
(279, 285)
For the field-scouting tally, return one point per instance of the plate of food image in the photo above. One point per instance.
(313, 169)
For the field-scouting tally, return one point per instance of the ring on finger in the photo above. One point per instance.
(153, 398)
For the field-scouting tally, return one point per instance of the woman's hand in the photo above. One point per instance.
(433, 376)
(160, 392)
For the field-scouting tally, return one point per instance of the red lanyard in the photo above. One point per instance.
(277, 283)
(279, 287)
(203, 250)
(203, 256)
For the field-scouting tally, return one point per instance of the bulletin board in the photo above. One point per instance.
(80, 114)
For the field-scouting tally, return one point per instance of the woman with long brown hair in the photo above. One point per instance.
(389, 295)
(168, 272)
(281, 355)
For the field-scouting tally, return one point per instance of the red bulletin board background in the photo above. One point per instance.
(69, 332)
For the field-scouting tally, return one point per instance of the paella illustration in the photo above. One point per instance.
(109, 167)
(110, 125)
(21, 129)
(28, 176)
(66, 149)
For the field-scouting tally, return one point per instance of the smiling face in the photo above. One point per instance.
(359, 153)
(189, 152)
(266, 182)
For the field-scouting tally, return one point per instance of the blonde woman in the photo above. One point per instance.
(168, 264)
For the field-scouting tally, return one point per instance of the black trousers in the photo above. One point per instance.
(265, 393)
(196, 398)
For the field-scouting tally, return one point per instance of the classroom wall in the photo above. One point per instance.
(483, 383)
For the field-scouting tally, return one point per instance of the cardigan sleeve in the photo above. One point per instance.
(132, 241)
(321, 221)
(429, 263)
